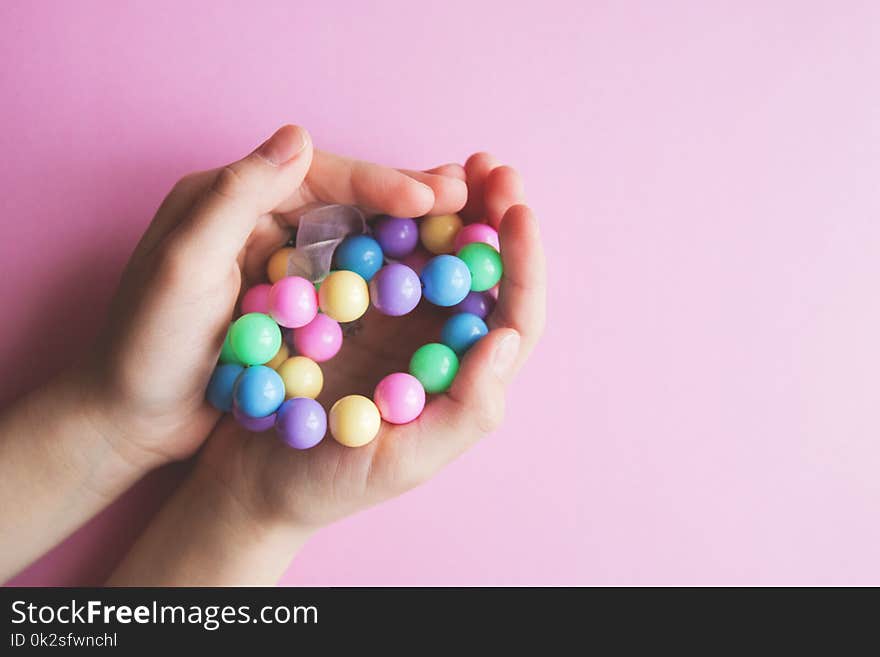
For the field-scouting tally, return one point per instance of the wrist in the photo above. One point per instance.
(58, 468)
(142, 434)
(215, 539)
(73, 427)
(244, 520)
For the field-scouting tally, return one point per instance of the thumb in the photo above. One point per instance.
(474, 404)
(222, 219)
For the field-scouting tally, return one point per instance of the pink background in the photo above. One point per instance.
(705, 407)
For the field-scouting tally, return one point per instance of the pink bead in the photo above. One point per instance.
(256, 300)
(477, 233)
(417, 259)
(293, 302)
(319, 340)
(400, 398)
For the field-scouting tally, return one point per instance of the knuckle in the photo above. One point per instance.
(185, 183)
(190, 185)
(228, 183)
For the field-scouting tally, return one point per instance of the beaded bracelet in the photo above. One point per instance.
(265, 384)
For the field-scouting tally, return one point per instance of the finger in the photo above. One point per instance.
(504, 189)
(452, 170)
(477, 168)
(215, 232)
(522, 297)
(268, 236)
(450, 193)
(375, 188)
(473, 406)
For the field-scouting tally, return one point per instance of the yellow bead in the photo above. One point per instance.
(276, 269)
(302, 377)
(354, 420)
(287, 261)
(438, 233)
(282, 355)
(343, 296)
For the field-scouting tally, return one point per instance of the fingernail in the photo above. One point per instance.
(505, 354)
(287, 142)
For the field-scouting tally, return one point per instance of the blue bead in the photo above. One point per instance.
(360, 254)
(221, 385)
(259, 391)
(446, 280)
(461, 332)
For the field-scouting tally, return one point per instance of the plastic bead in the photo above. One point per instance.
(462, 331)
(480, 304)
(417, 259)
(301, 422)
(227, 353)
(255, 338)
(395, 290)
(397, 236)
(354, 421)
(400, 398)
(302, 377)
(282, 355)
(344, 296)
(435, 366)
(446, 280)
(320, 339)
(438, 233)
(256, 299)
(293, 302)
(360, 254)
(277, 267)
(477, 233)
(221, 386)
(255, 424)
(318, 283)
(484, 264)
(259, 391)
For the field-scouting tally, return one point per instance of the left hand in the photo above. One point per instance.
(215, 230)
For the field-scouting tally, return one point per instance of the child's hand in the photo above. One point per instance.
(314, 487)
(252, 500)
(214, 230)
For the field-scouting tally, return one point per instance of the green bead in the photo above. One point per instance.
(255, 338)
(484, 263)
(227, 353)
(435, 366)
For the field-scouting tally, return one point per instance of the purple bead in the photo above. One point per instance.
(395, 290)
(255, 424)
(398, 236)
(476, 303)
(301, 422)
